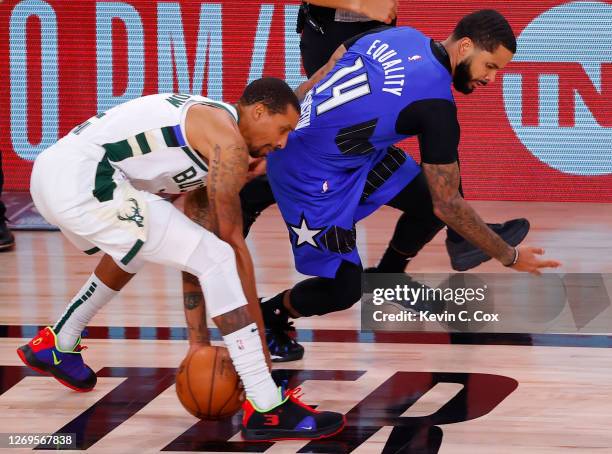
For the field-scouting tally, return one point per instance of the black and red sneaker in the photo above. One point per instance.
(289, 420)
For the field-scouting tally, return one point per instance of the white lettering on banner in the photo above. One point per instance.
(564, 63)
(171, 42)
(260, 44)
(172, 61)
(18, 51)
(105, 13)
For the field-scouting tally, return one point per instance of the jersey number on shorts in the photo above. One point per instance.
(354, 88)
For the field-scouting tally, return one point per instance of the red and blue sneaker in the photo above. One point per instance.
(290, 420)
(44, 356)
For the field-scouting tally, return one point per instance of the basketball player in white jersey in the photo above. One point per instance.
(98, 185)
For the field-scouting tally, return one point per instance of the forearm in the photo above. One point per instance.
(306, 86)
(246, 272)
(460, 215)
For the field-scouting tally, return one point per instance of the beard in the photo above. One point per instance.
(463, 77)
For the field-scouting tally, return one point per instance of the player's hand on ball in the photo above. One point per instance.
(380, 10)
(529, 261)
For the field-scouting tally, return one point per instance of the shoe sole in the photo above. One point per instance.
(280, 435)
(288, 358)
(27, 356)
(477, 257)
(6, 247)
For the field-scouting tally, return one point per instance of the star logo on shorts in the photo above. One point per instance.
(305, 233)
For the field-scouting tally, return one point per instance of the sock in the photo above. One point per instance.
(87, 302)
(273, 310)
(245, 349)
(453, 236)
(393, 261)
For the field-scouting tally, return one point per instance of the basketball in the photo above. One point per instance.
(207, 384)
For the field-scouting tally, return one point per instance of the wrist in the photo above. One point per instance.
(514, 258)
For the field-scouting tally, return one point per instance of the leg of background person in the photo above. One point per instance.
(6, 237)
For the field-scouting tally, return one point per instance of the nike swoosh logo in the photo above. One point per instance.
(307, 428)
(55, 360)
(253, 330)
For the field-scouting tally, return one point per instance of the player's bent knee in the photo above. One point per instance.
(214, 263)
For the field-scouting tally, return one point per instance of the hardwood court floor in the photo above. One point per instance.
(423, 392)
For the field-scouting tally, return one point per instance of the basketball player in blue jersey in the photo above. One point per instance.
(339, 165)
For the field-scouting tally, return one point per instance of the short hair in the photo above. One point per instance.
(488, 29)
(273, 93)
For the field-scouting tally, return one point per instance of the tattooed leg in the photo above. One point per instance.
(195, 311)
(233, 320)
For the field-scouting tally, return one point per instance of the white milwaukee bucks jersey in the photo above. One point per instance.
(145, 141)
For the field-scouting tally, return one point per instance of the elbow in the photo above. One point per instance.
(233, 237)
(444, 210)
(441, 211)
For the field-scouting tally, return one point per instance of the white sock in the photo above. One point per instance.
(87, 302)
(247, 355)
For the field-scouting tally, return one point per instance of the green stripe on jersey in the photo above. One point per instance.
(118, 151)
(195, 157)
(104, 186)
(142, 143)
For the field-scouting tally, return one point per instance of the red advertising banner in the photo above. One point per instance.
(542, 131)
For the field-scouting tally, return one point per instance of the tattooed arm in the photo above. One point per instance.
(196, 208)
(438, 131)
(228, 163)
(452, 209)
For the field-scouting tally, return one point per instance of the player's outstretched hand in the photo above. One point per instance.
(528, 260)
(380, 10)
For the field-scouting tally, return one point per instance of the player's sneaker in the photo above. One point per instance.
(281, 343)
(289, 420)
(7, 240)
(44, 356)
(464, 256)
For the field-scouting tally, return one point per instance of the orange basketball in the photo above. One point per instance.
(207, 384)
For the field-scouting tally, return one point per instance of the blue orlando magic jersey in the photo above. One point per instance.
(337, 167)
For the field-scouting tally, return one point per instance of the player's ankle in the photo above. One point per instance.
(273, 310)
